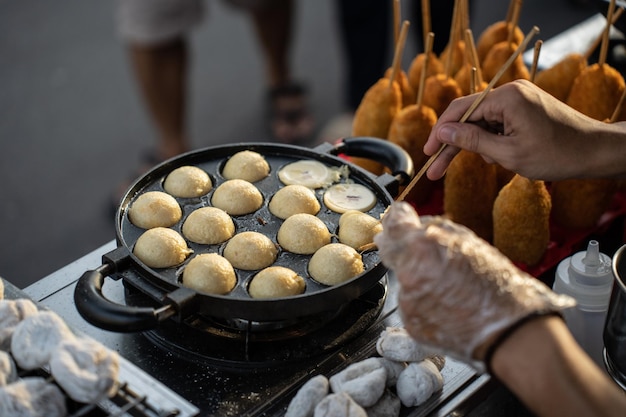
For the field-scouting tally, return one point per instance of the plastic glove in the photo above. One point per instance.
(457, 291)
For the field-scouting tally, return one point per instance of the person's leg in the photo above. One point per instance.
(290, 119)
(161, 72)
(273, 27)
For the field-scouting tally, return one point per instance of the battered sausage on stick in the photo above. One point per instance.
(501, 31)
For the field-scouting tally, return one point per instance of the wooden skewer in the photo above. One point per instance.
(533, 67)
(473, 53)
(452, 39)
(514, 19)
(618, 108)
(429, 48)
(471, 109)
(396, 21)
(605, 38)
(397, 57)
(426, 23)
(618, 13)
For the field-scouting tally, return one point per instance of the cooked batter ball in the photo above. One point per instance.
(210, 273)
(335, 263)
(303, 234)
(154, 209)
(208, 226)
(246, 165)
(187, 182)
(237, 197)
(294, 199)
(250, 251)
(161, 248)
(276, 282)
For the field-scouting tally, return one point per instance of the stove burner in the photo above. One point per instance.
(242, 344)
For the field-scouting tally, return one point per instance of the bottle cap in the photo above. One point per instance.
(587, 276)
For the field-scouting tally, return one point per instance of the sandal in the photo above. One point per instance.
(290, 119)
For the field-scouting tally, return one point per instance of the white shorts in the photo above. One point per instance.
(149, 22)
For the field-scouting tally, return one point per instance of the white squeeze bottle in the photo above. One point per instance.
(587, 277)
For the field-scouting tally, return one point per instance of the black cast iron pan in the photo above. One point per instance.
(163, 285)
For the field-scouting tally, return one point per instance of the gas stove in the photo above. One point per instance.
(240, 378)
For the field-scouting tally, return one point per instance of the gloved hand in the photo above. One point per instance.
(458, 293)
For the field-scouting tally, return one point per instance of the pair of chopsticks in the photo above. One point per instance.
(471, 109)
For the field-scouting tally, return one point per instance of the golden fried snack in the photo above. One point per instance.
(407, 90)
(495, 59)
(494, 34)
(435, 66)
(439, 92)
(558, 79)
(373, 117)
(377, 109)
(469, 191)
(409, 130)
(579, 204)
(521, 220)
(457, 59)
(596, 91)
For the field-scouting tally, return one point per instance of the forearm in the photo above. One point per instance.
(610, 155)
(545, 368)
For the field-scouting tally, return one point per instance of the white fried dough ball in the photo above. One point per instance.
(246, 165)
(154, 209)
(161, 248)
(210, 273)
(294, 199)
(250, 251)
(357, 229)
(308, 396)
(85, 369)
(36, 337)
(303, 234)
(8, 370)
(208, 226)
(335, 263)
(237, 197)
(12, 312)
(276, 282)
(187, 182)
(32, 397)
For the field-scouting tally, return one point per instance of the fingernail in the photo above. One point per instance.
(447, 134)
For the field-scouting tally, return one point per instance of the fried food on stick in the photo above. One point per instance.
(439, 91)
(410, 129)
(558, 79)
(579, 204)
(506, 30)
(521, 220)
(471, 73)
(435, 66)
(454, 52)
(596, 91)
(497, 56)
(469, 192)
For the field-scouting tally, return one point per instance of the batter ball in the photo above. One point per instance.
(294, 199)
(154, 209)
(237, 197)
(250, 251)
(335, 263)
(246, 165)
(210, 273)
(187, 182)
(276, 282)
(208, 226)
(161, 248)
(303, 234)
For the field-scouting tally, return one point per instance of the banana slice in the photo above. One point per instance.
(310, 173)
(344, 197)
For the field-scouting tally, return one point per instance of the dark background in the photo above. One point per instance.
(72, 125)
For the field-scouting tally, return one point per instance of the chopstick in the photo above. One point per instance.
(522, 46)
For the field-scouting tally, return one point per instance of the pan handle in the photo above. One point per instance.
(387, 153)
(94, 307)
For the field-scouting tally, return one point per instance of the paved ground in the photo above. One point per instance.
(72, 126)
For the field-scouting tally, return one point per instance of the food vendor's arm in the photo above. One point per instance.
(528, 131)
(462, 297)
(546, 369)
